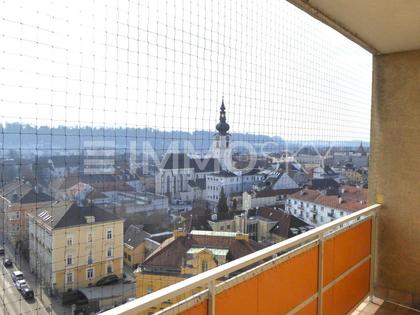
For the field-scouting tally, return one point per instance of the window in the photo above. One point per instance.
(69, 240)
(204, 266)
(109, 252)
(69, 260)
(109, 234)
(90, 237)
(129, 257)
(90, 274)
(90, 257)
(125, 255)
(109, 268)
(69, 277)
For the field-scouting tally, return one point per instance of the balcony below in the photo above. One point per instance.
(327, 270)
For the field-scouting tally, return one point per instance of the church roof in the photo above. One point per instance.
(182, 161)
(361, 149)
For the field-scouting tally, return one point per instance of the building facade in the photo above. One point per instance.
(266, 197)
(319, 207)
(231, 183)
(18, 199)
(73, 247)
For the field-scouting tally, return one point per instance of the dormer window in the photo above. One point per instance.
(90, 219)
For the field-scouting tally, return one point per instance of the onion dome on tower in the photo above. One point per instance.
(222, 127)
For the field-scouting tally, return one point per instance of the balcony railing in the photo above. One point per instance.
(312, 273)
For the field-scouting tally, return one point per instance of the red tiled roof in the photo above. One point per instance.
(350, 198)
(172, 252)
(275, 192)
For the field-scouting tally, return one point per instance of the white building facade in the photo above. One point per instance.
(231, 183)
(317, 208)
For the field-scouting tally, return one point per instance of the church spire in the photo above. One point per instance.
(222, 127)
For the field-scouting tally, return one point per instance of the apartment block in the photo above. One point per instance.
(74, 246)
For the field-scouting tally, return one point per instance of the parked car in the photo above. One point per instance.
(1, 251)
(20, 284)
(107, 280)
(27, 293)
(8, 263)
(74, 297)
(17, 275)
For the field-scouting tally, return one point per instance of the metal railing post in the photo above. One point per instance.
(320, 272)
(373, 254)
(211, 310)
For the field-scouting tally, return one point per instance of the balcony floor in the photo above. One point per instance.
(380, 307)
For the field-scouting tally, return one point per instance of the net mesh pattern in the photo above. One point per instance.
(109, 140)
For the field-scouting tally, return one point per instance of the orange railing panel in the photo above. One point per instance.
(199, 309)
(274, 291)
(348, 292)
(346, 249)
(240, 299)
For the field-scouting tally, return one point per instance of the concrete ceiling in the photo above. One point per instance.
(381, 26)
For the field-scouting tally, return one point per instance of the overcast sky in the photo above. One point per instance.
(167, 65)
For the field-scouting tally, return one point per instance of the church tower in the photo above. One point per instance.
(221, 140)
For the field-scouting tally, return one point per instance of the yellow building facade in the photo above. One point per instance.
(67, 256)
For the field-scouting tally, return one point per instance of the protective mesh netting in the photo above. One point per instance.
(95, 95)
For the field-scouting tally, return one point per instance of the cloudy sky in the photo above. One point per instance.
(167, 64)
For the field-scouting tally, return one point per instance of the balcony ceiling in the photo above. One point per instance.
(381, 26)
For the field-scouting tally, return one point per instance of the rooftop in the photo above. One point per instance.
(171, 252)
(183, 161)
(135, 235)
(349, 198)
(64, 214)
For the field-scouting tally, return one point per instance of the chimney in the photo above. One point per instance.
(241, 236)
(179, 233)
(340, 200)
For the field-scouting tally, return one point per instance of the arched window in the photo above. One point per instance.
(168, 184)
